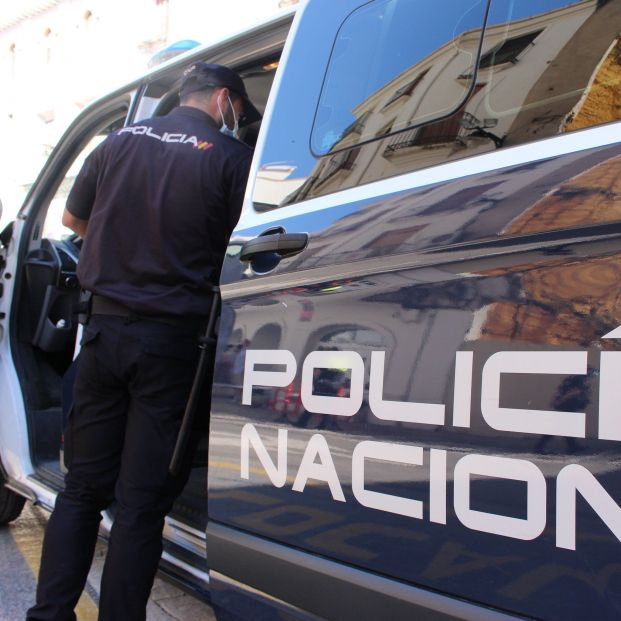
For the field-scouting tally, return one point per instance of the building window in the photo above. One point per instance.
(385, 130)
(442, 132)
(408, 89)
(357, 127)
(13, 57)
(344, 160)
(507, 51)
(47, 35)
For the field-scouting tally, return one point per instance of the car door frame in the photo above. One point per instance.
(15, 438)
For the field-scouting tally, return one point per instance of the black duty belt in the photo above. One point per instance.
(105, 306)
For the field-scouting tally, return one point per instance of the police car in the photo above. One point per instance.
(415, 409)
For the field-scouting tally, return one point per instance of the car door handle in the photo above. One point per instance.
(283, 244)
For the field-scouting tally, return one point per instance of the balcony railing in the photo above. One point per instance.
(417, 138)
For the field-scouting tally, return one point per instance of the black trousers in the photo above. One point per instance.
(132, 384)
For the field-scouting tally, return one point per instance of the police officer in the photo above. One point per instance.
(155, 204)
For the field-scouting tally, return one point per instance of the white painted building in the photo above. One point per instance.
(56, 56)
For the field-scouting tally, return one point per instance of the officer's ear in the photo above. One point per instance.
(222, 95)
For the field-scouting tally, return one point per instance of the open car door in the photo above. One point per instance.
(38, 331)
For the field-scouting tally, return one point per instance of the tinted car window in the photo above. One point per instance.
(388, 55)
(546, 67)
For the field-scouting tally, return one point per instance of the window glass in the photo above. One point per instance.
(546, 67)
(53, 227)
(385, 65)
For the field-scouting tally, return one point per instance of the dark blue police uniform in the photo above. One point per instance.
(161, 198)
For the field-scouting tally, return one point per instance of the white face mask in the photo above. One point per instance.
(225, 128)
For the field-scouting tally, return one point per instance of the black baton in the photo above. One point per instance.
(207, 344)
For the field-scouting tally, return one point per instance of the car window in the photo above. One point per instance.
(387, 57)
(52, 227)
(546, 67)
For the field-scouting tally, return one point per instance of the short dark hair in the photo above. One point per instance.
(203, 94)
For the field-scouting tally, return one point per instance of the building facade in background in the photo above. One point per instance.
(56, 56)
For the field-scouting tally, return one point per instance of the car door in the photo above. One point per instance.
(38, 330)
(418, 333)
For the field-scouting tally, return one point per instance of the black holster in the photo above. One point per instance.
(83, 310)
